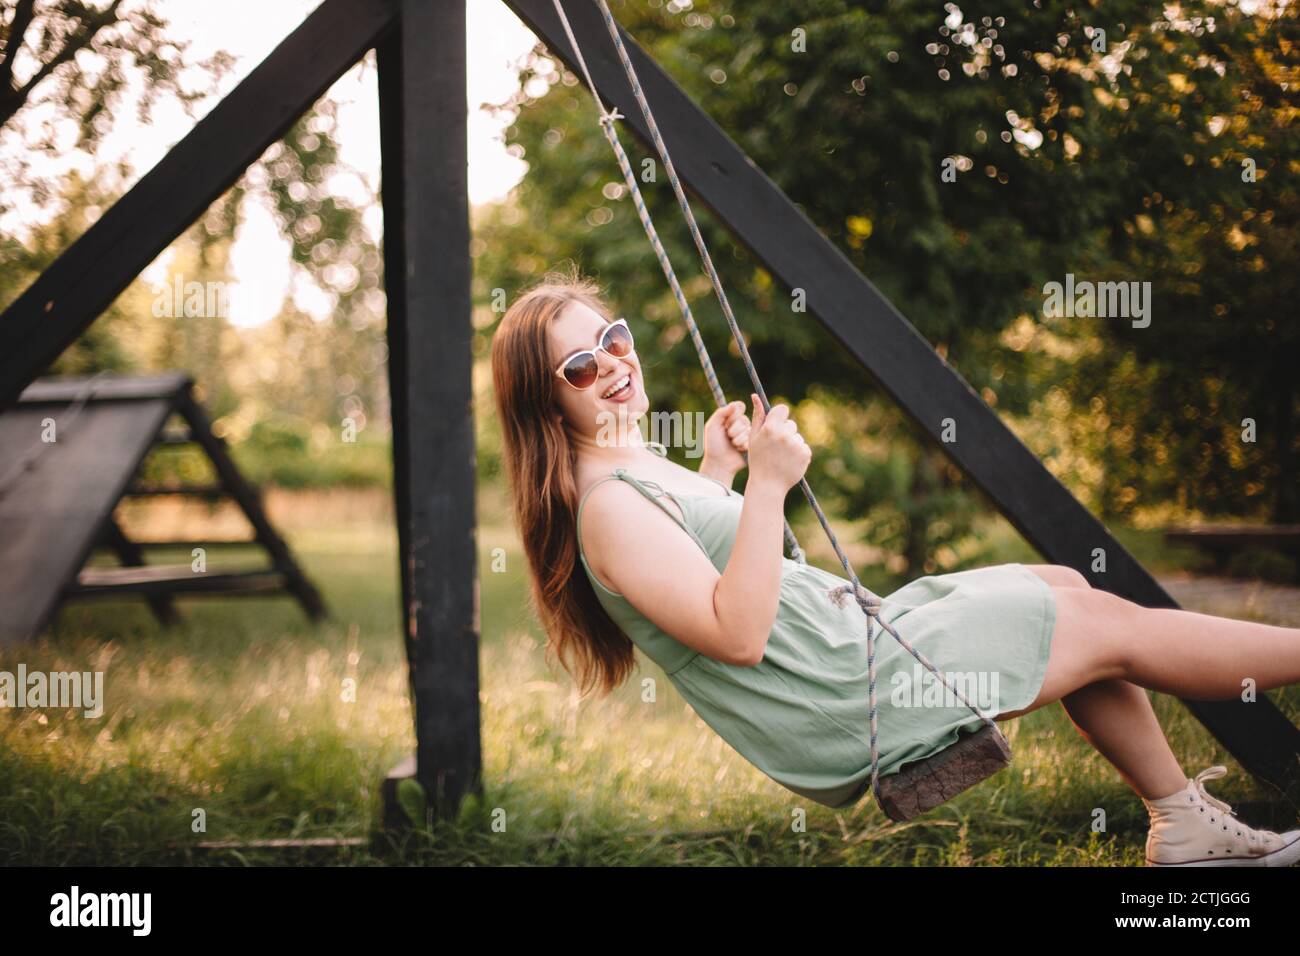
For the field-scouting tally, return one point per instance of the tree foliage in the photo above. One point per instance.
(294, 375)
(68, 64)
(1110, 155)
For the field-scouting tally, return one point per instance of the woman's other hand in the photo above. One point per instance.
(726, 439)
(778, 454)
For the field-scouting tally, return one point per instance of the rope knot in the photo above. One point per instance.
(869, 603)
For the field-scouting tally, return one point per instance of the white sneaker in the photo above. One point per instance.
(1192, 828)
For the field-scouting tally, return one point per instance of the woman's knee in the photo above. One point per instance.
(1102, 627)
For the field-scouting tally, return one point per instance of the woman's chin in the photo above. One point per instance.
(634, 407)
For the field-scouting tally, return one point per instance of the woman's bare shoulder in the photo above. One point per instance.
(595, 493)
(619, 520)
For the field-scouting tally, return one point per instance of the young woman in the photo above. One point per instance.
(628, 549)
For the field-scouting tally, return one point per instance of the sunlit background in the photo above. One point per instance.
(497, 42)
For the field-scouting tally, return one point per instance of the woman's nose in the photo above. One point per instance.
(606, 362)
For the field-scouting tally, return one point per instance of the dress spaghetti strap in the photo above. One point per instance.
(642, 486)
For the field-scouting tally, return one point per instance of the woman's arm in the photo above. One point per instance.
(640, 552)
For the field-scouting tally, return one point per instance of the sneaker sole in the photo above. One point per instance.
(1286, 856)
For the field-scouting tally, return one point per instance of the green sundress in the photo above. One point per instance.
(801, 714)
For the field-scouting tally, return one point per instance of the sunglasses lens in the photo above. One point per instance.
(581, 371)
(618, 340)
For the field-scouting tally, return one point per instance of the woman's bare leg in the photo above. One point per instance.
(1184, 653)
(1117, 718)
(1100, 636)
(1115, 715)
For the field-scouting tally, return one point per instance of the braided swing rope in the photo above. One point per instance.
(867, 601)
(607, 118)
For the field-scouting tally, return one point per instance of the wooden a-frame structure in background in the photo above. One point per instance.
(422, 59)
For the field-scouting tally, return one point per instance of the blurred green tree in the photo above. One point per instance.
(79, 63)
(1061, 139)
(79, 60)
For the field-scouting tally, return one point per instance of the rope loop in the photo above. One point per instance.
(869, 603)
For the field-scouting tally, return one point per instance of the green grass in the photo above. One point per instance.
(239, 712)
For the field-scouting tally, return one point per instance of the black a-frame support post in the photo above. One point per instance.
(880, 338)
(423, 115)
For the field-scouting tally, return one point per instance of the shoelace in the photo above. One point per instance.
(1212, 773)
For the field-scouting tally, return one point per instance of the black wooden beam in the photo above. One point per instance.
(131, 556)
(423, 116)
(94, 270)
(249, 499)
(875, 333)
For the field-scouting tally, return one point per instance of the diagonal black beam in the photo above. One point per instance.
(881, 339)
(94, 270)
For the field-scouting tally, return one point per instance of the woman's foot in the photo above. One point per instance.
(1192, 828)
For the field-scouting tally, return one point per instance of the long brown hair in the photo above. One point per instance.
(540, 461)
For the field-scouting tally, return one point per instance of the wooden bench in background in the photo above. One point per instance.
(1222, 541)
(58, 497)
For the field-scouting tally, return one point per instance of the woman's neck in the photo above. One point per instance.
(611, 449)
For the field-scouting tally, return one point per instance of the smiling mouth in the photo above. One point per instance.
(620, 389)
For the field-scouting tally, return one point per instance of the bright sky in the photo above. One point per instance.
(496, 41)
